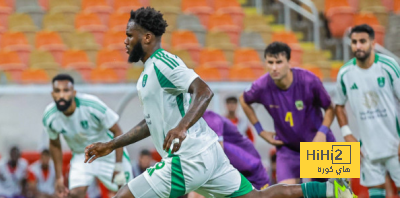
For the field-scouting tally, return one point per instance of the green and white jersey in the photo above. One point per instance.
(88, 124)
(373, 94)
(163, 93)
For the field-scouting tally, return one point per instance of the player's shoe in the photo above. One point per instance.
(341, 188)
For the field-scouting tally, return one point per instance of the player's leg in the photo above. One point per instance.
(393, 167)
(79, 192)
(373, 177)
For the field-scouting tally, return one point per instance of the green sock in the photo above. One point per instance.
(377, 193)
(314, 189)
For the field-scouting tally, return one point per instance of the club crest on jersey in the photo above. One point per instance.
(85, 124)
(381, 81)
(144, 80)
(299, 105)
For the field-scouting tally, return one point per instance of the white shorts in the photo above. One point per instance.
(373, 173)
(208, 173)
(82, 174)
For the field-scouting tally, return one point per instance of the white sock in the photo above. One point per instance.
(329, 189)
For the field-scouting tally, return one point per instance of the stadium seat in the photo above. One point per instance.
(118, 21)
(220, 40)
(57, 22)
(17, 42)
(91, 23)
(388, 4)
(291, 40)
(315, 70)
(69, 8)
(231, 7)
(396, 6)
(98, 7)
(200, 8)
(33, 9)
(185, 56)
(335, 3)
(45, 4)
(35, 76)
(166, 5)
(11, 63)
(186, 40)
(20, 22)
(253, 40)
(5, 11)
(52, 42)
(192, 23)
(215, 58)
(223, 22)
(133, 74)
(339, 20)
(30, 156)
(370, 19)
(103, 75)
(248, 57)
(208, 73)
(78, 79)
(39, 59)
(79, 61)
(125, 6)
(114, 40)
(380, 13)
(242, 73)
(355, 4)
(114, 60)
(85, 41)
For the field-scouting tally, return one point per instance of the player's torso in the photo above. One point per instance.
(44, 184)
(10, 186)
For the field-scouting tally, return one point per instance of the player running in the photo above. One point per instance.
(294, 98)
(371, 84)
(83, 119)
(239, 149)
(174, 99)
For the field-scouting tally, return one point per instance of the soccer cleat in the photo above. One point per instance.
(341, 188)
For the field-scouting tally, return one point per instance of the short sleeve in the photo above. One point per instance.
(392, 69)
(252, 95)
(105, 115)
(321, 96)
(53, 135)
(48, 118)
(216, 123)
(340, 96)
(172, 73)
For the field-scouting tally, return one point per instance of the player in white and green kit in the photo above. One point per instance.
(174, 99)
(371, 84)
(83, 119)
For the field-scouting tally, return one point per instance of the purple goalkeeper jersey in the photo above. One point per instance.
(239, 149)
(296, 111)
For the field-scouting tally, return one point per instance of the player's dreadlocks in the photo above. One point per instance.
(149, 19)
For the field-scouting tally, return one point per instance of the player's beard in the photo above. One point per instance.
(367, 53)
(136, 54)
(67, 104)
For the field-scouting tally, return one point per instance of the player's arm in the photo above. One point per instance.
(251, 115)
(99, 149)
(116, 130)
(201, 97)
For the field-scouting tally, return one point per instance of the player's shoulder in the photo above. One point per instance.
(304, 75)
(387, 62)
(49, 113)
(90, 102)
(164, 60)
(262, 81)
(348, 66)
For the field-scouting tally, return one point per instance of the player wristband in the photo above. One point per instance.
(258, 127)
(345, 130)
(324, 129)
(118, 167)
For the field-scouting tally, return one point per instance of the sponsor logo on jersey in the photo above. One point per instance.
(299, 105)
(371, 99)
(381, 81)
(144, 80)
(85, 124)
(354, 86)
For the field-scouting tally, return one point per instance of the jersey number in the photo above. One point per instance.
(289, 118)
(158, 166)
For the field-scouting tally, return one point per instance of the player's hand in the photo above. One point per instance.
(118, 178)
(177, 132)
(319, 137)
(96, 150)
(61, 190)
(350, 138)
(269, 137)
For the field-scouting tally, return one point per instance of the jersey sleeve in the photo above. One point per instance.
(393, 71)
(321, 96)
(215, 123)
(104, 115)
(172, 74)
(340, 96)
(252, 95)
(48, 118)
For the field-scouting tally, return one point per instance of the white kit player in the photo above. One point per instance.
(174, 99)
(83, 119)
(371, 84)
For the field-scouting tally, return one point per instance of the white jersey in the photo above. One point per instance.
(163, 92)
(89, 123)
(10, 182)
(373, 95)
(44, 185)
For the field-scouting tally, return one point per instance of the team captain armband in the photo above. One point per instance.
(345, 130)
(258, 127)
(324, 129)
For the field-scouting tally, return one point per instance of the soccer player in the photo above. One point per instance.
(174, 99)
(371, 84)
(294, 98)
(239, 150)
(83, 119)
